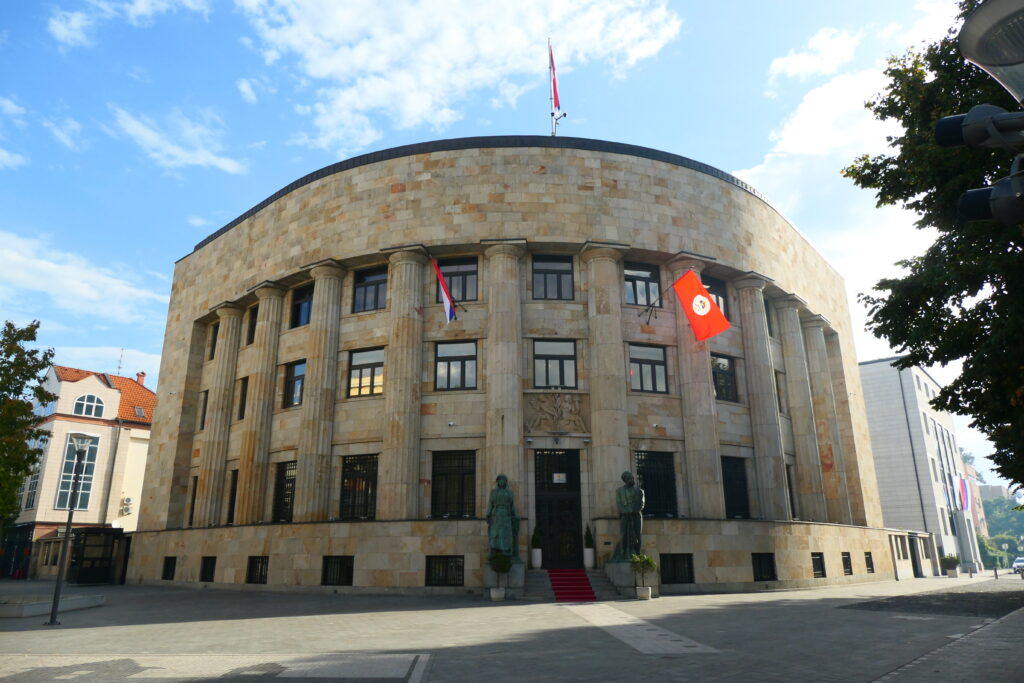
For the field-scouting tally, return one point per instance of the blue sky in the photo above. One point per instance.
(131, 129)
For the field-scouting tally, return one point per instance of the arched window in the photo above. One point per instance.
(89, 405)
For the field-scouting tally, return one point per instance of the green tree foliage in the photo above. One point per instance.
(964, 297)
(21, 374)
(1003, 519)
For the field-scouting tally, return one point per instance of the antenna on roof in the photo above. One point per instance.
(119, 359)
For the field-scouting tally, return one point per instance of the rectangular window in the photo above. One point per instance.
(207, 568)
(717, 289)
(460, 276)
(769, 318)
(192, 502)
(818, 565)
(455, 366)
(945, 526)
(781, 397)
(170, 564)
(32, 487)
(764, 566)
(371, 290)
(869, 562)
(302, 306)
(232, 496)
(214, 330)
(790, 489)
(453, 491)
(294, 380)
(256, 571)
(444, 570)
(847, 565)
(337, 570)
(250, 329)
(552, 277)
(204, 399)
(366, 372)
(284, 491)
(657, 475)
(734, 483)
(935, 470)
(554, 364)
(647, 369)
(359, 487)
(676, 567)
(67, 475)
(243, 396)
(723, 373)
(643, 284)
(924, 418)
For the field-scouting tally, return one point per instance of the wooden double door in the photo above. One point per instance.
(559, 514)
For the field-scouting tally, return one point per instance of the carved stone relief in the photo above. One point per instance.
(555, 413)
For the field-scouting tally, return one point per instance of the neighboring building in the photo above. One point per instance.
(977, 506)
(117, 413)
(917, 458)
(993, 491)
(319, 423)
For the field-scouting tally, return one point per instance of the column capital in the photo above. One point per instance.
(326, 269)
(414, 256)
(514, 250)
(751, 280)
(269, 290)
(227, 310)
(813, 320)
(601, 253)
(681, 264)
(789, 301)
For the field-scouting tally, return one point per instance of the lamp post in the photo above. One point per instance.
(80, 442)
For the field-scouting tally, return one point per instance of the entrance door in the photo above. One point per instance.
(558, 507)
(915, 559)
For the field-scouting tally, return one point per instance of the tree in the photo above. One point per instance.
(963, 299)
(21, 374)
(1002, 518)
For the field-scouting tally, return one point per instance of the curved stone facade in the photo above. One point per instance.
(314, 402)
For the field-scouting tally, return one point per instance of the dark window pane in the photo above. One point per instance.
(366, 372)
(647, 368)
(764, 566)
(552, 277)
(460, 276)
(818, 565)
(444, 570)
(734, 483)
(676, 567)
(256, 571)
(284, 491)
(641, 284)
(370, 290)
(723, 373)
(170, 564)
(657, 476)
(338, 570)
(207, 569)
(359, 487)
(302, 305)
(453, 492)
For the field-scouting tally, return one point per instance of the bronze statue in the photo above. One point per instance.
(502, 520)
(630, 500)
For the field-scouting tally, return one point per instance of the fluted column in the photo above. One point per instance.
(253, 455)
(609, 431)
(399, 464)
(810, 498)
(504, 420)
(700, 414)
(210, 489)
(320, 388)
(830, 448)
(865, 508)
(766, 430)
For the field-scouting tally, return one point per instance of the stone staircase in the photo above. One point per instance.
(604, 589)
(538, 586)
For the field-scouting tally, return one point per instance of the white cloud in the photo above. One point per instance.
(10, 108)
(827, 50)
(108, 358)
(73, 29)
(71, 282)
(11, 159)
(66, 132)
(195, 143)
(413, 63)
(937, 17)
(197, 221)
(245, 87)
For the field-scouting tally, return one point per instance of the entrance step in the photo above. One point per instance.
(538, 586)
(571, 585)
(603, 587)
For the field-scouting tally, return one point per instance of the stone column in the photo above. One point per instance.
(609, 431)
(810, 498)
(399, 462)
(210, 489)
(700, 413)
(826, 425)
(313, 469)
(504, 419)
(769, 463)
(254, 453)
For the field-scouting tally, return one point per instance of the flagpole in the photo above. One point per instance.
(551, 90)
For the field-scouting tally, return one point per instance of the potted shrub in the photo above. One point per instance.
(588, 549)
(950, 564)
(501, 564)
(536, 543)
(641, 564)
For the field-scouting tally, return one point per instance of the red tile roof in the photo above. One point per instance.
(132, 392)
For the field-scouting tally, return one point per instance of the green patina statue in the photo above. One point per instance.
(630, 500)
(502, 520)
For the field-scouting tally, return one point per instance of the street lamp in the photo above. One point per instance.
(993, 39)
(80, 442)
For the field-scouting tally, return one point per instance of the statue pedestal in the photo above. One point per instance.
(621, 576)
(512, 582)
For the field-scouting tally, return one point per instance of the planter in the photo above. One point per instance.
(588, 558)
(953, 573)
(535, 557)
(643, 592)
(497, 594)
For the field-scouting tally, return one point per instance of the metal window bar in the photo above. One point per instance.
(257, 570)
(847, 564)
(642, 284)
(207, 568)
(818, 565)
(552, 277)
(869, 562)
(170, 564)
(371, 289)
(359, 487)
(284, 491)
(676, 568)
(657, 475)
(338, 570)
(453, 489)
(461, 277)
(764, 566)
(444, 570)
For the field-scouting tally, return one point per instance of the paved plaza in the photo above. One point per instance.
(934, 629)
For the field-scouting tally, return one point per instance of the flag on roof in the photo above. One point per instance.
(554, 81)
(446, 297)
(705, 317)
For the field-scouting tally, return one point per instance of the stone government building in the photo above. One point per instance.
(318, 423)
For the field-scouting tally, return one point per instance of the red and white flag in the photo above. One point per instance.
(705, 317)
(557, 107)
(446, 297)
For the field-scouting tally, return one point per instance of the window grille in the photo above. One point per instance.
(338, 570)
(642, 284)
(359, 487)
(818, 565)
(88, 406)
(460, 274)
(554, 364)
(869, 562)
(302, 305)
(207, 569)
(455, 366)
(256, 572)
(676, 567)
(734, 483)
(847, 564)
(657, 475)
(366, 372)
(294, 383)
(284, 491)
(371, 290)
(453, 489)
(170, 564)
(647, 369)
(764, 566)
(67, 475)
(444, 570)
(552, 277)
(723, 373)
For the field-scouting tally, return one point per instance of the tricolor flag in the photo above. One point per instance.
(557, 107)
(446, 297)
(705, 317)
(965, 495)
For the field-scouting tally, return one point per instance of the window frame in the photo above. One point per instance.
(170, 568)
(337, 570)
(445, 570)
(869, 562)
(232, 496)
(641, 363)
(243, 397)
(760, 564)
(464, 363)
(559, 275)
(847, 564)
(354, 469)
(212, 345)
(294, 383)
(65, 482)
(204, 403)
(301, 308)
(561, 360)
(737, 467)
(283, 508)
(725, 381)
(366, 281)
(781, 393)
(88, 405)
(650, 284)
(656, 472)
(453, 484)
(718, 290)
(459, 281)
(676, 568)
(207, 568)
(250, 327)
(818, 568)
(257, 569)
(375, 388)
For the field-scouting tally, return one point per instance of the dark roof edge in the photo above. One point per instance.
(488, 141)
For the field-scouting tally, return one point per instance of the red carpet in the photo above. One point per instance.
(571, 585)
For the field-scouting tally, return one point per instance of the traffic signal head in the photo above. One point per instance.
(985, 125)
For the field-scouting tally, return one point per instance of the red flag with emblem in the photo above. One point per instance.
(705, 317)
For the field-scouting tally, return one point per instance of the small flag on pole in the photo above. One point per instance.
(556, 105)
(705, 317)
(446, 297)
